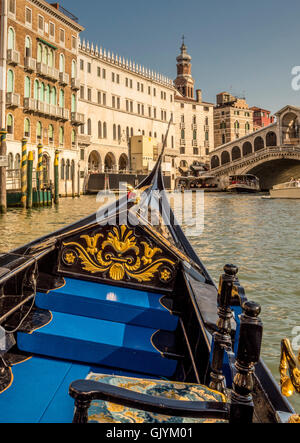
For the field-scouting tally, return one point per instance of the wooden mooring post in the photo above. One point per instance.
(29, 180)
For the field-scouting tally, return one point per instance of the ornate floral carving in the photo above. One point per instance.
(120, 256)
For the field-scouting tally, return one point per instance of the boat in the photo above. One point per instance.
(115, 319)
(246, 183)
(290, 190)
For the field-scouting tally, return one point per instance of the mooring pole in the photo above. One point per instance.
(78, 179)
(56, 178)
(29, 179)
(3, 198)
(39, 172)
(24, 173)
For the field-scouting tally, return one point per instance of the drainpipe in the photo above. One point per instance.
(3, 55)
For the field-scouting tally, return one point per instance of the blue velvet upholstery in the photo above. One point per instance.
(105, 412)
(98, 342)
(104, 302)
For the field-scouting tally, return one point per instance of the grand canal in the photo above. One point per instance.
(261, 236)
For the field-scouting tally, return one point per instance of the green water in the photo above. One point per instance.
(261, 236)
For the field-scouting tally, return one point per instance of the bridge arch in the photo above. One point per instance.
(225, 158)
(271, 139)
(236, 153)
(110, 162)
(123, 163)
(259, 144)
(94, 162)
(215, 162)
(247, 149)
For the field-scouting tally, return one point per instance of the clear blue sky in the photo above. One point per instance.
(244, 49)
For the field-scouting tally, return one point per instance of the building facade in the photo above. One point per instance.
(261, 118)
(233, 119)
(194, 118)
(41, 86)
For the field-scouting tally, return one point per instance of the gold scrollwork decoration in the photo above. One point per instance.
(289, 370)
(121, 257)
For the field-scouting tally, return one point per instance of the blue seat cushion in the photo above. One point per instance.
(105, 412)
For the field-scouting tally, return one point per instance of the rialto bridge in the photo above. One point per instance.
(272, 153)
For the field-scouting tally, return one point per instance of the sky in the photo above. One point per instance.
(246, 48)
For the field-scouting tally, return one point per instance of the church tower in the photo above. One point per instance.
(184, 81)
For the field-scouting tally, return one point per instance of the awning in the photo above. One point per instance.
(47, 43)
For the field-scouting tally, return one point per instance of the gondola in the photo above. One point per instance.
(115, 319)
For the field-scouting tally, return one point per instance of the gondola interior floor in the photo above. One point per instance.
(93, 326)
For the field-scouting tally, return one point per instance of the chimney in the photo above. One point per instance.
(55, 5)
(199, 95)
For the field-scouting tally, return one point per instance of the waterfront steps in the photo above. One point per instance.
(110, 303)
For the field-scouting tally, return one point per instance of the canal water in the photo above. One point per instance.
(261, 236)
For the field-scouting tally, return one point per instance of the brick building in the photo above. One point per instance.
(40, 65)
(233, 118)
(261, 118)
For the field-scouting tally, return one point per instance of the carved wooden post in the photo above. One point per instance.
(247, 357)
(222, 338)
(81, 411)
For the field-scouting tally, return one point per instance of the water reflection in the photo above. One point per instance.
(260, 236)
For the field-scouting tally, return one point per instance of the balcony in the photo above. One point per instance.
(194, 127)
(13, 57)
(206, 128)
(40, 107)
(53, 110)
(77, 119)
(30, 64)
(182, 142)
(46, 109)
(84, 140)
(75, 84)
(194, 143)
(12, 100)
(30, 104)
(206, 144)
(64, 114)
(182, 125)
(59, 112)
(64, 78)
(42, 69)
(53, 74)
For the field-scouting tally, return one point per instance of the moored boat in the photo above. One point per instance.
(289, 190)
(246, 183)
(118, 311)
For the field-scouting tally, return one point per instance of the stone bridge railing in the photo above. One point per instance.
(256, 158)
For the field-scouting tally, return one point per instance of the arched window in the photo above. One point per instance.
(10, 124)
(10, 161)
(62, 169)
(73, 105)
(104, 130)
(74, 69)
(26, 127)
(89, 126)
(127, 133)
(68, 170)
(11, 39)
(53, 96)
(99, 129)
(51, 58)
(39, 52)
(194, 135)
(10, 81)
(28, 47)
(182, 134)
(47, 95)
(61, 136)
(45, 55)
(27, 88)
(114, 132)
(39, 129)
(223, 139)
(73, 137)
(36, 89)
(42, 92)
(236, 125)
(119, 132)
(17, 161)
(61, 63)
(62, 98)
(51, 133)
(247, 127)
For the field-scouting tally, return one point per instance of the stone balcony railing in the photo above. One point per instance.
(30, 64)
(12, 100)
(13, 57)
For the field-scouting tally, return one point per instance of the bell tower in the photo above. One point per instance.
(184, 81)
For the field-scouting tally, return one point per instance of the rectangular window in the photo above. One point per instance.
(149, 90)
(138, 86)
(118, 103)
(62, 36)
(154, 92)
(104, 73)
(154, 112)
(28, 16)
(118, 78)
(131, 106)
(12, 6)
(74, 43)
(89, 68)
(99, 98)
(126, 82)
(52, 30)
(113, 102)
(127, 105)
(89, 95)
(139, 108)
(149, 111)
(142, 87)
(82, 92)
(99, 71)
(131, 84)
(112, 76)
(41, 23)
(81, 154)
(81, 65)
(104, 99)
